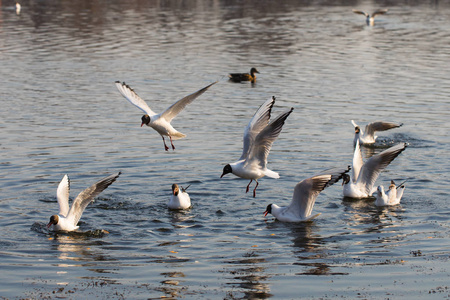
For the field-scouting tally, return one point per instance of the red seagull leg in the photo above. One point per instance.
(165, 146)
(173, 147)
(254, 191)
(248, 186)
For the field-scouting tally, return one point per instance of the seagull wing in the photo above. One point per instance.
(360, 12)
(379, 12)
(259, 121)
(377, 163)
(380, 126)
(357, 162)
(134, 99)
(306, 191)
(354, 124)
(264, 140)
(87, 196)
(178, 106)
(62, 194)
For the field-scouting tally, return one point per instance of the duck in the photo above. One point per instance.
(259, 135)
(180, 198)
(238, 77)
(67, 219)
(391, 197)
(368, 137)
(363, 176)
(305, 195)
(160, 122)
(370, 19)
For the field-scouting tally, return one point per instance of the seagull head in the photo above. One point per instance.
(227, 169)
(380, 190)
(145, 120)
(175, 189)
(345, 179)
(392, 186)
(268, 210)
(53, 220)
(357, 129)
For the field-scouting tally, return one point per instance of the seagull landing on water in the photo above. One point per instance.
(259, 136)
(305, 194)
(360, 184)
(368, 137)
(160, 122)
(392, 196)
(180, 198)
(67, 220)
(370, 19)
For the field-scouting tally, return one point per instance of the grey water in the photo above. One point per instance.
(61, 114)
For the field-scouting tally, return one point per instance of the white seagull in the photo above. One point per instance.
(368, 137)
(179, 199)
(259, 136)
(67, 220)
(160, 122)
(370, 19)
(305, 194)
(360, 183)
(392, 196)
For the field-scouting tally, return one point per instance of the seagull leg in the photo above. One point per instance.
(173, 147)
(248, 186)
(254, 190)
(165, 146)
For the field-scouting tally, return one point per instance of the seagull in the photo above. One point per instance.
(370, 18)
(160, 122)
(360, 183)
(67, 220)
(368, 136)
(392, 196)
(259, 136)
(238, 77)
(179, 199)
(305, 194)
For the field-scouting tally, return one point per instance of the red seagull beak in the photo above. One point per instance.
(49, 224)
(265, 213)
(142, 124)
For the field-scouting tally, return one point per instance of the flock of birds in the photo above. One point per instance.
(259, 136)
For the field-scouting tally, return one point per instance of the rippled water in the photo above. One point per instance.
(61, 113)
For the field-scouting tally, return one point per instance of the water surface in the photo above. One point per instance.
(61, 113)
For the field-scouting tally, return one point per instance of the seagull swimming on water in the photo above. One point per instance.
(180, 198)
(305, 194)
(259, 136)
(160, 122)
(370, 19)
(360, 183)
(392, 196)
(368, 137)
(67, 220)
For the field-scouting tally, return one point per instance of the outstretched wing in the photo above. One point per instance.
(264, 140)
(379, 12)
(360, 12)
(380, 126)
(259, 121)
(357, 162)
(87, 196)
(306, 191)
(62, 194)
(133, 98)
(178, 106)
(377, 163)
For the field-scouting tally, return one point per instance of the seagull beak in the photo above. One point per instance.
(266, 212)
(49, 224)
(222, 175)
(142, 124)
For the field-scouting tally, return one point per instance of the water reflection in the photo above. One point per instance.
(249, 274)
